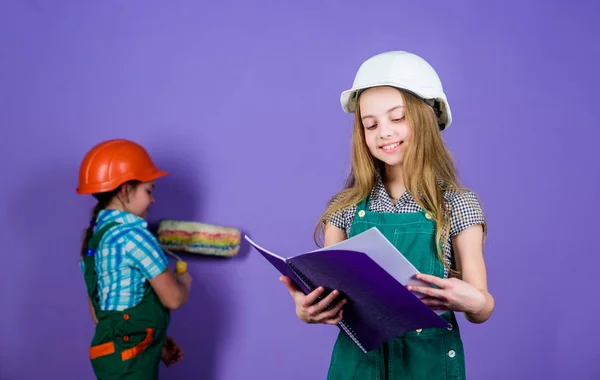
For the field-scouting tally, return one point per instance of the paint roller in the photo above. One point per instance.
(197, 239)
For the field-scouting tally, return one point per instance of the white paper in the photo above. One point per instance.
(263, 249)
(375, 245)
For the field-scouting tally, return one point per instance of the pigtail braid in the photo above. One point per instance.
(89, 232)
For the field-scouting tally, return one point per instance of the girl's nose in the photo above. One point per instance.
(385, 130)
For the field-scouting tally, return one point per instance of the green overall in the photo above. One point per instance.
(427, 354)
(126, 344)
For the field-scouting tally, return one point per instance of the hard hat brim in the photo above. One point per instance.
(148, 176)
(349, 99)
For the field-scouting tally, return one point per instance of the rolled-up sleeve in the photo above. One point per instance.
(144, 252)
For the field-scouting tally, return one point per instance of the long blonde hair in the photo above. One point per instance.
(428, 170)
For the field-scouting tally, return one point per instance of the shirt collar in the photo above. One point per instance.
(380, 194)
(123, 217)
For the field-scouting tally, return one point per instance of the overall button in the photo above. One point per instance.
(419, 330)
(126, 317)
(427, 215)
(126, 338)
(361, 213)
(451, 353)
(450, 327)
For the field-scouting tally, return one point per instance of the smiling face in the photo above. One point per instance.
(386, 130)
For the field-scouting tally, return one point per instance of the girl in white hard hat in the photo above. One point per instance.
(404, 182)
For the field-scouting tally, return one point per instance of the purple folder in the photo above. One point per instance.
(379, 306)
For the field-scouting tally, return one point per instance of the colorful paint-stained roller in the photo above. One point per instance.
(199, 238)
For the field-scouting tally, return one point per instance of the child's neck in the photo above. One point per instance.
(393, 181)
(115, 205)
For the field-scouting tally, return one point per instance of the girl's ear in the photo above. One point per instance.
(123, 194)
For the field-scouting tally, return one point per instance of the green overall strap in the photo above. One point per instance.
(91, 282)
(364, 204)
(98, 235)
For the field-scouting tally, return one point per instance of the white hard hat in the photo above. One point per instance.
(405, 71)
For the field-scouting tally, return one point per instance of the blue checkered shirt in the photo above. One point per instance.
(126, 258)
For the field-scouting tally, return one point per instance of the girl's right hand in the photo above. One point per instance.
(185, 279)
(309, 313)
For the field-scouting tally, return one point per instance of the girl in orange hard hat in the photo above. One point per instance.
(130, 286)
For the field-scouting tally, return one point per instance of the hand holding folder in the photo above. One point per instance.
(372, 275)
(326, 303)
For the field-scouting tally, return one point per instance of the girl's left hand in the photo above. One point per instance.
(171, 352)
(452, 294)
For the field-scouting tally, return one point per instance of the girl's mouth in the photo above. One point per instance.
(391, 147)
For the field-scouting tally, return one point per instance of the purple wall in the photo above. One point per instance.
(212, 91)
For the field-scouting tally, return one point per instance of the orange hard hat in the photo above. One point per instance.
(111, 163)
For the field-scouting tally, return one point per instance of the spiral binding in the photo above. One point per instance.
(351, 334)
(343, 324)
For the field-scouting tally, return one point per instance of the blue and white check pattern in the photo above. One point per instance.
(127, 257)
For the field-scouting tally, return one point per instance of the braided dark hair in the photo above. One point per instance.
(103, 200)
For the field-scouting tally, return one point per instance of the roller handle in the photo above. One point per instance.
(180, 267)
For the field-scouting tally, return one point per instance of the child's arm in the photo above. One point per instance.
(468, 249)
(172, 291)
(467, 292)
(144, 252)
(333, 235)
(92, 312)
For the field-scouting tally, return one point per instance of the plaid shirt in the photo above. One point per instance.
(127, 257)
(465, 211)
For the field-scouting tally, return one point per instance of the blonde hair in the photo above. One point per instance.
(429, 170)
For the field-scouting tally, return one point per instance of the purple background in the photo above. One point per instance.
(240, 102)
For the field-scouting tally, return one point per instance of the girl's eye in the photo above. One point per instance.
(397, 120)
(369, 127)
